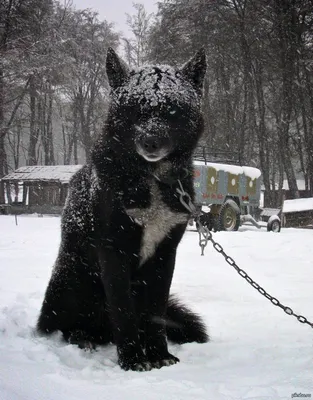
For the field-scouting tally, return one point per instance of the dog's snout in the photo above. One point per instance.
(151, 144)
(153, 147)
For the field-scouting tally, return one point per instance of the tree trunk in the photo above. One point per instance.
(3, 163)
(309, 142)
(50, 146)
(33, 128)
(286, 26)
(262, 135)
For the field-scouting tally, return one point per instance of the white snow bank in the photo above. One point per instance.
(257, 352)
(298, 205)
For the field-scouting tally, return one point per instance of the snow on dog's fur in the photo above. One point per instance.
(123, 220)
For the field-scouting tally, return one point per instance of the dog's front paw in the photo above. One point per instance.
(133, 359)
(165, 361)
(139, 366)
(81, 339)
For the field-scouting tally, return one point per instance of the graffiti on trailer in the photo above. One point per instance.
(214, 183)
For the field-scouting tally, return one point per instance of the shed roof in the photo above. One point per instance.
(56, 173)
(298, 205)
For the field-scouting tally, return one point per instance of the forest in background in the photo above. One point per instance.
(258, 95)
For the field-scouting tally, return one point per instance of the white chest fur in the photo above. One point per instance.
(157, 221)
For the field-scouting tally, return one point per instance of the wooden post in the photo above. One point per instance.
(60, 194)
(2, 200)
(283, 217)
(25, 188)
(8, 191)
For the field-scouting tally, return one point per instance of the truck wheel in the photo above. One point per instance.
(274, 225)
(229, 216)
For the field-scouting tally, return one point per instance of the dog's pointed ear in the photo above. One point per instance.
(117, 70)
(194, 70)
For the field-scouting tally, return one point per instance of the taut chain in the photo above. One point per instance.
(205, 236)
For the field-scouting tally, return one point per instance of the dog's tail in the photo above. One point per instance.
(183, 325)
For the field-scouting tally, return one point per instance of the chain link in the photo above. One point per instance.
(205, 236)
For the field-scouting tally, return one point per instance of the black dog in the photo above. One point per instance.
(123, 220)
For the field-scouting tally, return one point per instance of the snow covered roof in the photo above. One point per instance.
(61, 173)
(297, 205)
(253, 173)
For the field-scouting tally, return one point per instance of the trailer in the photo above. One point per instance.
(226, 193)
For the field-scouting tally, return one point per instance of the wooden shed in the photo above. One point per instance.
(36, 189)
(298, 212)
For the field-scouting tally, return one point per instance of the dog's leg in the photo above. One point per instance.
(139, 295)
(115, 271)
(60, 309)
(159, 272)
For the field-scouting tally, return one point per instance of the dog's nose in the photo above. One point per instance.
(151, 144)
(153, 147)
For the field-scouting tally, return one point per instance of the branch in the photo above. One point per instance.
(17, 105)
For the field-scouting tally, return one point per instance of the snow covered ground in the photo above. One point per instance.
(256, 351)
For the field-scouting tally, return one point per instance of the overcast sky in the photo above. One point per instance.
(115, 10)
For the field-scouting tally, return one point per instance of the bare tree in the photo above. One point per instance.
(52, 76)
(87, 89)
(258, 90)
(136, 49)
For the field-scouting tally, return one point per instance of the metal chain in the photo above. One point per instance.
(205, 236)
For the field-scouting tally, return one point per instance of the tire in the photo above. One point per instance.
(229, 216)
(274, 225)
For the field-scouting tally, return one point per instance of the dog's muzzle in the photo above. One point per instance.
(152, 146)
